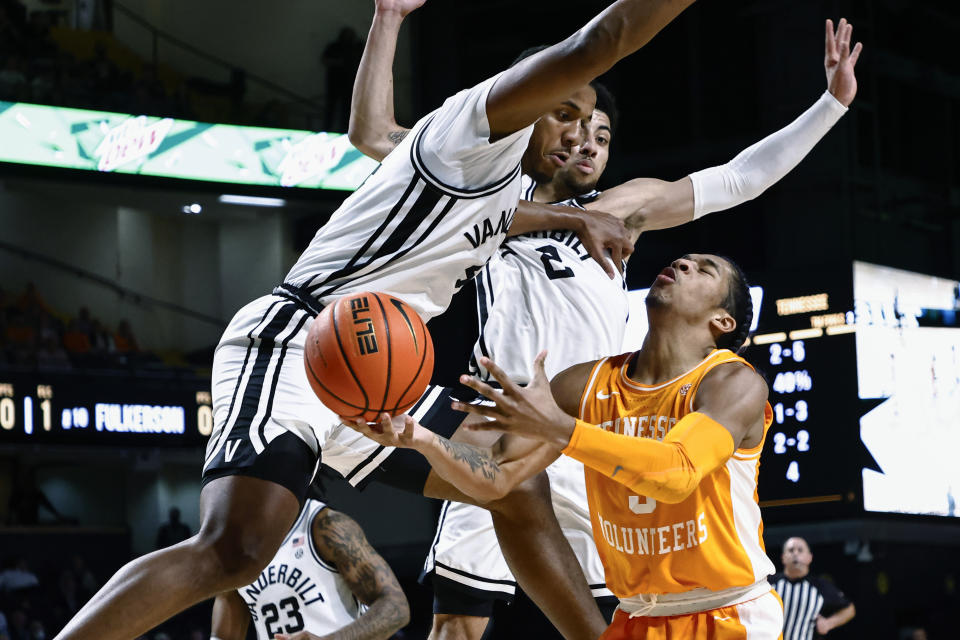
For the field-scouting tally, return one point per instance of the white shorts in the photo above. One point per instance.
(260, 389)
(261, 394)
(465, 548)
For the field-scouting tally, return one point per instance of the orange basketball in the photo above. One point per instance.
(368, 353)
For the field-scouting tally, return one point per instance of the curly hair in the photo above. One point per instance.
(740, 306)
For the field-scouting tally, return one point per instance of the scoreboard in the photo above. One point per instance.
(804, 345)
(103, 409)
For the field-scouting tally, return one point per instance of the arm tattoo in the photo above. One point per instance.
(477, 459)
(340, 541)
(396, 137)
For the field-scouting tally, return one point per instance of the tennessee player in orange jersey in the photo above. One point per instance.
(670, 437)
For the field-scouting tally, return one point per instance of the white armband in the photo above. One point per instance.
(760, 166)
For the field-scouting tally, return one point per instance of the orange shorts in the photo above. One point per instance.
(757, 619)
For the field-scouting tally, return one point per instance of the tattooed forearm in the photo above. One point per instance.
(341, 541)
(477, 459)
(396, 137)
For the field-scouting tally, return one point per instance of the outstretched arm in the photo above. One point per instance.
(532, 87)
(373, 126)
(480, 471)
(340, 542)
(483, 471)
(646, 204)
(729, 411)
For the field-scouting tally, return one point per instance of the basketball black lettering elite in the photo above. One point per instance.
(367, 336)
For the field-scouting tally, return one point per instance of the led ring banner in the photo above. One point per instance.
(170, 148)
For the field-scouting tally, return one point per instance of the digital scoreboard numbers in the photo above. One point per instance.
(102, 410)
(791, 409)
(804, 346)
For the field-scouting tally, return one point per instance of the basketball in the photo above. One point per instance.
(368, 353)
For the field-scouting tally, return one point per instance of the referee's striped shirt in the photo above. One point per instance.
(803, 601)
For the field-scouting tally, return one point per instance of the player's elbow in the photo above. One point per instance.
(366, 138)
(361, 140)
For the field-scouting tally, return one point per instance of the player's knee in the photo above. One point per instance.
(235, 558)
(457, 627)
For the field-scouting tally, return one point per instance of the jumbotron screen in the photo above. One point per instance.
(908, 364)
(159, 147)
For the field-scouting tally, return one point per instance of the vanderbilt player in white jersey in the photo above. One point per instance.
(428, 218)
(326, 580)
(539, 291)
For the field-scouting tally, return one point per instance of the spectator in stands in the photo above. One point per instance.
(83, 321)
(86, 581)
(37, 630)
(30, 302)
(65, 600)
(19, 625)
(101, 341)
(76, 340)
(124, 340)
(52, 356)
(4, 628)
(341, 58)
(26, 499)
(172, 532)
(17, 576)
(21, 337)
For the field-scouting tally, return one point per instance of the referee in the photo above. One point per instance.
(806, 597)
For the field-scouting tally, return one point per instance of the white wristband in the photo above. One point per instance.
(758, 167)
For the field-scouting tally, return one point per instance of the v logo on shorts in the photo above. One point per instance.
(231, 450)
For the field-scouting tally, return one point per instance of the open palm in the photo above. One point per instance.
(839, 62)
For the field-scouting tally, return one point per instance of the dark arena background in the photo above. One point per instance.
(161, 164)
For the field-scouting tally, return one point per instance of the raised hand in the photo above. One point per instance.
(602, 232)
(839, 61)
(401, 7)
(528, 411)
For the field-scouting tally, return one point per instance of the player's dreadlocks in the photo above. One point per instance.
(739, 305)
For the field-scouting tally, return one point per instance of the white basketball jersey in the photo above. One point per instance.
(428, 218)
(542, 290)
(299, 591)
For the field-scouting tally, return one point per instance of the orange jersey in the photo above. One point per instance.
(713, 538)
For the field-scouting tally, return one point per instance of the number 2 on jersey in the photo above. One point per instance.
(549, 255)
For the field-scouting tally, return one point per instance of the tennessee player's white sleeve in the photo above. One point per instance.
(454, 146)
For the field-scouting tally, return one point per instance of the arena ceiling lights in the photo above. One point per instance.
(170, 148)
